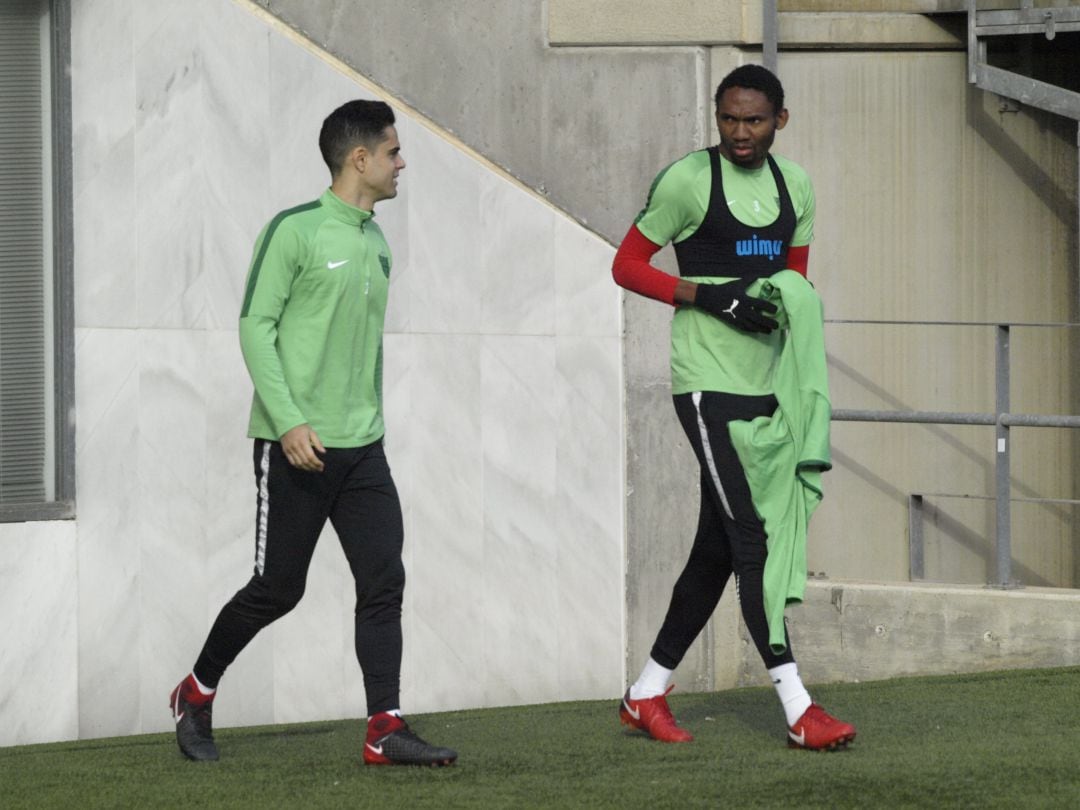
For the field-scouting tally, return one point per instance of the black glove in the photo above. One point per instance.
(730, 303)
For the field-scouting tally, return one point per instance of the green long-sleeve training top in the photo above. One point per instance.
(311, 327)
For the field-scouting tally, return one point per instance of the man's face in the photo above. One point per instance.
(747, 124)
(381, 165)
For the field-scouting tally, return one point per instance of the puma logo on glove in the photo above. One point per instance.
(722, 300)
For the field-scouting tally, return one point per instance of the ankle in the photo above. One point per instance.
(194, 692)
(652, 682)
(383, 723)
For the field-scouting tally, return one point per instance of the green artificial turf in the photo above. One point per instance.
(1005, 739)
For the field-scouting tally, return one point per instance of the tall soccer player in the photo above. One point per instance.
(741, 221)
(311, 331)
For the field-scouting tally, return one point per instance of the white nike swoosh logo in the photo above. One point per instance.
(374, 749)
(179, 715)
(800, 738)
(336, 265)
(631, 712)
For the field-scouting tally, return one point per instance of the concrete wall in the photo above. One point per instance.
(195, 122)
(936, 206)
(39, 654)
(193, 125)
(799, 24)
(590, 127)
(865, 631)
(932, 205)
(587, 127)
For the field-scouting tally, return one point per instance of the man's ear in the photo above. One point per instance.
(359, 157)
(781, 118)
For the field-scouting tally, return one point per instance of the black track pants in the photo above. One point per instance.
(730, 537)
(356, 493)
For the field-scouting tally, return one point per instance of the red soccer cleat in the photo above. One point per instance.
(652, 715)
(820, 731)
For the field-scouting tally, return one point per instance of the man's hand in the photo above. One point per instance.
(730, 303)
(301, 445)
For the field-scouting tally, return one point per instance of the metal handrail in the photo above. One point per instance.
(1002, 419)
(958, 418)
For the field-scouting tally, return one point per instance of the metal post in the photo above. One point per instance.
(1003, 574)
(769, 36)
(916, 555)
(973, 42)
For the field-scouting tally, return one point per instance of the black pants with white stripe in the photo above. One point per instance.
(356, 493)
(730, 537)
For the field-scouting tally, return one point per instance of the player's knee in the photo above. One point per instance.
(270, 600)
(288, 598)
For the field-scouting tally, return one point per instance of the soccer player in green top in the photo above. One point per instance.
(311, 331)
(736, 215)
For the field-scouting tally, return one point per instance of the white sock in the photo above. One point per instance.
(392, 712)
(652, 681)
(789, 688)
(206, 690)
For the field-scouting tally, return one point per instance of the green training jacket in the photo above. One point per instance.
(784, 455)
(311, 327)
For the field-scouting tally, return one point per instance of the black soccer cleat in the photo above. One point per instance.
(194, 731)
(390, 741)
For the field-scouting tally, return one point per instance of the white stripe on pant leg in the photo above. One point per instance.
(264, 509)
(707, 449)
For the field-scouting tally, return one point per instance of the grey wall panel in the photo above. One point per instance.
(588, 127)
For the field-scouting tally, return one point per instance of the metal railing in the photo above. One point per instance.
(1025, 20)
(1001, 419)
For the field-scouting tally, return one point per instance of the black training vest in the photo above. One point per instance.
(723, 246)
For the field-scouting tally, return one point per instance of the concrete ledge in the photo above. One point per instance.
(851, 631)
(690, 23)
(836, 30)
(649, 22)
(888, 6)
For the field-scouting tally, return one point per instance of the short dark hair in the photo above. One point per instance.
(754, 77)
(354, 123)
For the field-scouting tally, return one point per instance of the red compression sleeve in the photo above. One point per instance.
(798, 258)
(631, 268)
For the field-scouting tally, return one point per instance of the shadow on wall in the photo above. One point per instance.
(938, 432)
(1057, 191)
(1060, 191)
(948, 526)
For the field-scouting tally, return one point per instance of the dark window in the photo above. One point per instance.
(36, 335)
